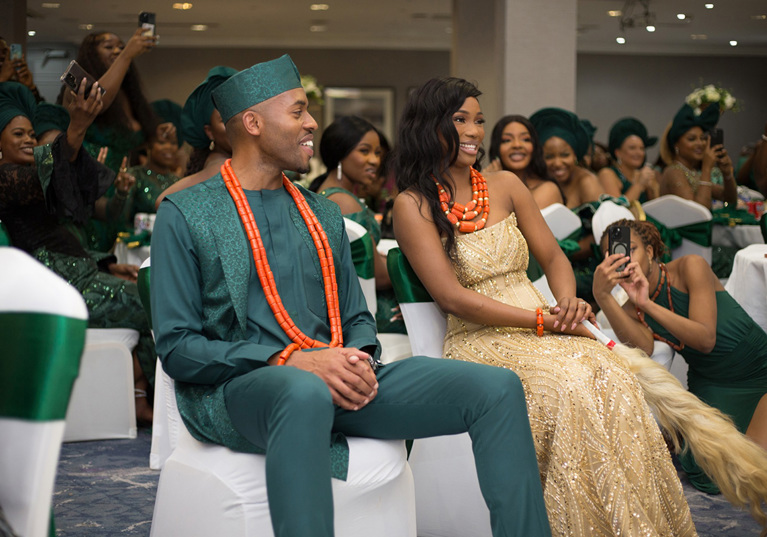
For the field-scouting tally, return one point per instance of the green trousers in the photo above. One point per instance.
(289, 413)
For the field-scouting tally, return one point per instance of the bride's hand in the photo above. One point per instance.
(578, 330)
(570, 311)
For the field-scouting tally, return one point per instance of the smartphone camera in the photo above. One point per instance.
(16, 51)
(620, 243)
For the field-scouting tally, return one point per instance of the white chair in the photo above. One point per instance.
(563, 223)
(42, 329)
(206, 489)
(674, 212)
(393, 346)
(448, 499)
(607, 213)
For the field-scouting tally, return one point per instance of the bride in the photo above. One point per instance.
(603, 462)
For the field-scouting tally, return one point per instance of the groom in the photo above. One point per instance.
(240, 344)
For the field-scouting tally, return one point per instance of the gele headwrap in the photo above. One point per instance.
(199, 106)
(550, 122)
(685, 119)
(628, 126)
(15, 100)
(256, 84)
(50, 117)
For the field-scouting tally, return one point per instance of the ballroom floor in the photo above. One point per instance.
(106, 489)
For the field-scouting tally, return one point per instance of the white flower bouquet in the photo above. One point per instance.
(312, 88)
(711, 94)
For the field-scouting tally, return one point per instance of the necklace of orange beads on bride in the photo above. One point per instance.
(461, 216)
(266, 277)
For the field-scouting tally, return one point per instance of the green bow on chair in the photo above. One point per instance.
(363, 257)
(407, 287)
(699, 233)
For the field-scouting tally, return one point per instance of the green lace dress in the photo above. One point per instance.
(385, 297)
(142, 197)
(732, 377)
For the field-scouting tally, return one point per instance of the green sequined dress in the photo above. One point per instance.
(142, 197)
(732, 377)
(385, 297)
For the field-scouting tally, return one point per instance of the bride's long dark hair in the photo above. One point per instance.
(427, 144)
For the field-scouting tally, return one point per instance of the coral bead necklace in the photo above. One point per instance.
(459, 215)
(266, 277)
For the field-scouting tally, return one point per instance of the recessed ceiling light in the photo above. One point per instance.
(86, 27)
(183, 6)
(615, 13)
(681, 16)
(318, 28)
(620, 40)
(31, 33)
(709, 6)
(699, 36)
(650, 28)
(199, 27)
(759, 17)
(51, 5)
(319, 7)
(733, 43)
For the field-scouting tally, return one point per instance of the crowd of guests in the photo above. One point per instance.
(75, 175)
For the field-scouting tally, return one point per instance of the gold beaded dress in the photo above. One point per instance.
(605, 468)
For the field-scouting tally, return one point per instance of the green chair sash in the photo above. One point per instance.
(363, 257)
(41, 360)
(143, 291)
(407, 287)
(699, 233)
(5, 239)
(733, 217)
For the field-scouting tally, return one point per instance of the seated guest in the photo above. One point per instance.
(351, 151)
(600, 157)
(202, 128)
(278, 376)
(46, 194)
(565, 142)
(514, 147)
(695, 170)
(16, 70)
(683, 304)
(630, 176)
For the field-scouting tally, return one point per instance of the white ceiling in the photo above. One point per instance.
(400, 24)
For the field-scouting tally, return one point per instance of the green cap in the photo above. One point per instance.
(628, 126)
(550, 122)
(50, 117)
(256, 84)
(15, 100)
(685, 119)
(199, 106)
(169, 112)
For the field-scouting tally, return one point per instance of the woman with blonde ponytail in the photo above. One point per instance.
(685, 305)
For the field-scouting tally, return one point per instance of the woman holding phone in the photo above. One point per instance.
(683, 304)
(697, 169)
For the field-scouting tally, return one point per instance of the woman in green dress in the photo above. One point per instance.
(351, 150)
(684, 304)
(630, 176)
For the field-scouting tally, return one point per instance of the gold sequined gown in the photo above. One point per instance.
(605, 468)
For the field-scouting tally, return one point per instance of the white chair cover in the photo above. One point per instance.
(561, 221)
(607, 213)
(673, 211)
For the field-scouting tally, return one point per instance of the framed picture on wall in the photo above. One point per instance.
(374, 104)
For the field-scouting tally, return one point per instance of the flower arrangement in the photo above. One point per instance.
(312, 89)
(711, 94)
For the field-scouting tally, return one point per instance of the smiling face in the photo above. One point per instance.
(362, 164)
(470, 125)
(108, 48)
(17, 142)
(560, 159)
(692, 145)
(164, 152)
(631, 152)
(516, 149)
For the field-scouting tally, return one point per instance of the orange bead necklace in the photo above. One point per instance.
(266, 277)
(459, 215)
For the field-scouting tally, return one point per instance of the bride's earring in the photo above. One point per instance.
(339, 172)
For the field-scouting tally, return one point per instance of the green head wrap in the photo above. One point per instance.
(686, 119)
(199, 106)
(50, 117)
(550, 122)
(15, 100)
(626, 127)
(590, 130)
(169, 112)
(256, 84)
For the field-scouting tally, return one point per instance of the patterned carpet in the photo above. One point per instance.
(106, 489)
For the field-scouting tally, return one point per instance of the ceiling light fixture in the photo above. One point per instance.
(31, 33)
(86, 26)
(615, 13)
(681, 16)
(733, 43)
(759, 17)
(709, 6)
(650, 28)
(319, 7)
(318, 28)
(182, 6)
(620, 40)
(199, 27)
(51, 5)
(700, 37)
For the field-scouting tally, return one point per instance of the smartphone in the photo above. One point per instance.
(717, 136)
(73, 77)
(146, 20)
(620, 243)
(16, 51)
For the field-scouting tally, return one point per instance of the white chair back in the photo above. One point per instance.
(357, 232)
(607, 213)
(673, 212)
(561, 221)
